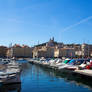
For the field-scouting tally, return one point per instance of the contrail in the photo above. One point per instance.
(78, 23)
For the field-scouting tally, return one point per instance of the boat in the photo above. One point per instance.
(9, 76)
(10, 73)
(5, 61)
(73, 64)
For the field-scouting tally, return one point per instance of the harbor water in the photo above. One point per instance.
(35, 78)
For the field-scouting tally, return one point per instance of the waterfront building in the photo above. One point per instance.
(64, 52)
(39, 53)
(19, 51)
(47, 52)
(3, 51)
(86, 50)
(35, 52)
(46, 49)
(78, 51)
(78, 54)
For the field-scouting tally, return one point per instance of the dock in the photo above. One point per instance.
(84, 72)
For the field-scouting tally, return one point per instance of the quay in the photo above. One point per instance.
(85, 72)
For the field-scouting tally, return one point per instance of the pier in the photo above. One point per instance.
(85, 72)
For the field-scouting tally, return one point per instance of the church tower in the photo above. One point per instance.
(53, 39)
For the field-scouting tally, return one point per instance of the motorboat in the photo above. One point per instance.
(45, 62)
(10, 73)
(13, 64)
(10, 76)
(72, 64)
(5, 61)
(62, 63)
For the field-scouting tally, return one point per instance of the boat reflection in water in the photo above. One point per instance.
(11, 87)
(67, 76)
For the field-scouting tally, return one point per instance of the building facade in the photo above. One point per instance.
(47, 52)
(19, 51)
(64, 52)
(86, 50)
(3, 51)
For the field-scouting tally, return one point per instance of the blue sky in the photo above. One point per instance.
(30, 21)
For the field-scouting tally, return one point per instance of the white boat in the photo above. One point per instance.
(45, 62)
(57, 63)
(5, 61)
(10, 76)
(52, 62)
(10, 73)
